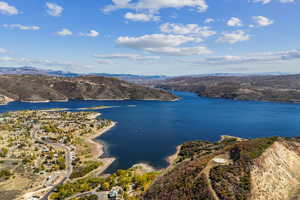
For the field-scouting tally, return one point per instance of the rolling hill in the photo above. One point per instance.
(284, 88)
(232, 169)
(42, 88)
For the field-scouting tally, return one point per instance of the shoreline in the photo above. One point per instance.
(226, 137)
(146, 167)
(172, 158)
(67, 100)
(98, 148)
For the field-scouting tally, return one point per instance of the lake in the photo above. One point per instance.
(149, 131)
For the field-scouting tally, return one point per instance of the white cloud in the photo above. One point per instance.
(64, 32)
(21, 27)
(92, 33)
(105, 62)
(156, 5)
(163, 44)
(3, 51)
(262, 21)
(234, 37)
(262, 1)
(209, 20)
(286, 1)
(7, 9)
(189, 29)
(126, 56)
(54, 9)
(141, 17)
(268, 57)
(269, 1)
(154, 41)
(29, 61)
(180, 51)
(234, 21)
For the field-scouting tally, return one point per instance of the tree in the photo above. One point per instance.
(3, 152)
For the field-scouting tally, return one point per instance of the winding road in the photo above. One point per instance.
(68, 159)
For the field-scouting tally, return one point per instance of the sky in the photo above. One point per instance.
(151, 37)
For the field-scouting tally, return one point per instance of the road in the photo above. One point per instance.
(68, 158)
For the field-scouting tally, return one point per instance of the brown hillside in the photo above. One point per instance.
(264, 168)
(51, 88)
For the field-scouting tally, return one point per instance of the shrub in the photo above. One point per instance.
(86, 168)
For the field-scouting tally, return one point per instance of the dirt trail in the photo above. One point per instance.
(222, 159)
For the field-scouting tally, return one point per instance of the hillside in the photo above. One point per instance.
(284, 88)
(51, 88)
(257, 169)
(138, 79)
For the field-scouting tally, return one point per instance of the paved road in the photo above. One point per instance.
(68, 165)
(68, 158)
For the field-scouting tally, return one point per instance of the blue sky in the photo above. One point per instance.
(172, 37)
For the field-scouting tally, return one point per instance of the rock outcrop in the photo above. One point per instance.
(5, 100)
(276, 174)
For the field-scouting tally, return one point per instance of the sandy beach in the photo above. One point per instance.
(172, 158)
(98, 149)
(144, 167)
(228, 137)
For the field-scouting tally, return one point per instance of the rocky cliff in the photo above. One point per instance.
(276, 174)
(5, 100)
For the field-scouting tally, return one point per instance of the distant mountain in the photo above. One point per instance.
(139, 79)
(126, 77)
(33, 70)
(240, 74)
(284, 88)
(42, 88)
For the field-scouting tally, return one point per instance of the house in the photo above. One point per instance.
(115, 193)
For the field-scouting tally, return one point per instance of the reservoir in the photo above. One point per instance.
(149, 131)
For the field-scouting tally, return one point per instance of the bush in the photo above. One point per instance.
(90, 197)
(79, 186)
(3, 152)
(86, 168)
(5, 174)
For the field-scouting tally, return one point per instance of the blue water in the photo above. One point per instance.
(151, 130)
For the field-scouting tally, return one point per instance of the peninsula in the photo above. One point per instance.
(40, 150)
(284, 88)
(43, 88)
(232, 169)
